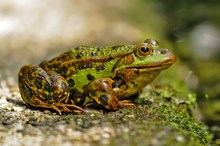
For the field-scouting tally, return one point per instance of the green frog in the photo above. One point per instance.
(93, 76)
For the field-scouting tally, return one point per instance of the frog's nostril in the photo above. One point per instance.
(164, 51)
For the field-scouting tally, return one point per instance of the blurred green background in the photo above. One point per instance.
(31, 32)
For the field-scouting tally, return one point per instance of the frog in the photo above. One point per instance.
(93, 76)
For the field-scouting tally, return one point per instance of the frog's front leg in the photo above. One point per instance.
(102, 92)
(39, 88)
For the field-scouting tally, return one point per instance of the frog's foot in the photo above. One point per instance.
(66, 109)
(125, 103)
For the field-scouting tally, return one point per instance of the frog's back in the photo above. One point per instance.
(85, 52)
(85, 63)
(88, 53)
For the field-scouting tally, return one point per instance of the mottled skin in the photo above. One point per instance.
(93, 76)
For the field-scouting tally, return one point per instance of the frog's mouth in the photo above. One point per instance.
(159, 65)
(154, 66)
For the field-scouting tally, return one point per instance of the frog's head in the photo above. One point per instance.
(145, 62)
(148, 56)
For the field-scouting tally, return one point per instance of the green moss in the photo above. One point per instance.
(177, 111)
(184, 122)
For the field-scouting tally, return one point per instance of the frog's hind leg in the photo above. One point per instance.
(43, 89)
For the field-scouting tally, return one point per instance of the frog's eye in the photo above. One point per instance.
(144, 49)
(152, 42)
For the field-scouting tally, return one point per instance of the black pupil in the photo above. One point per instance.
(144, 49)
